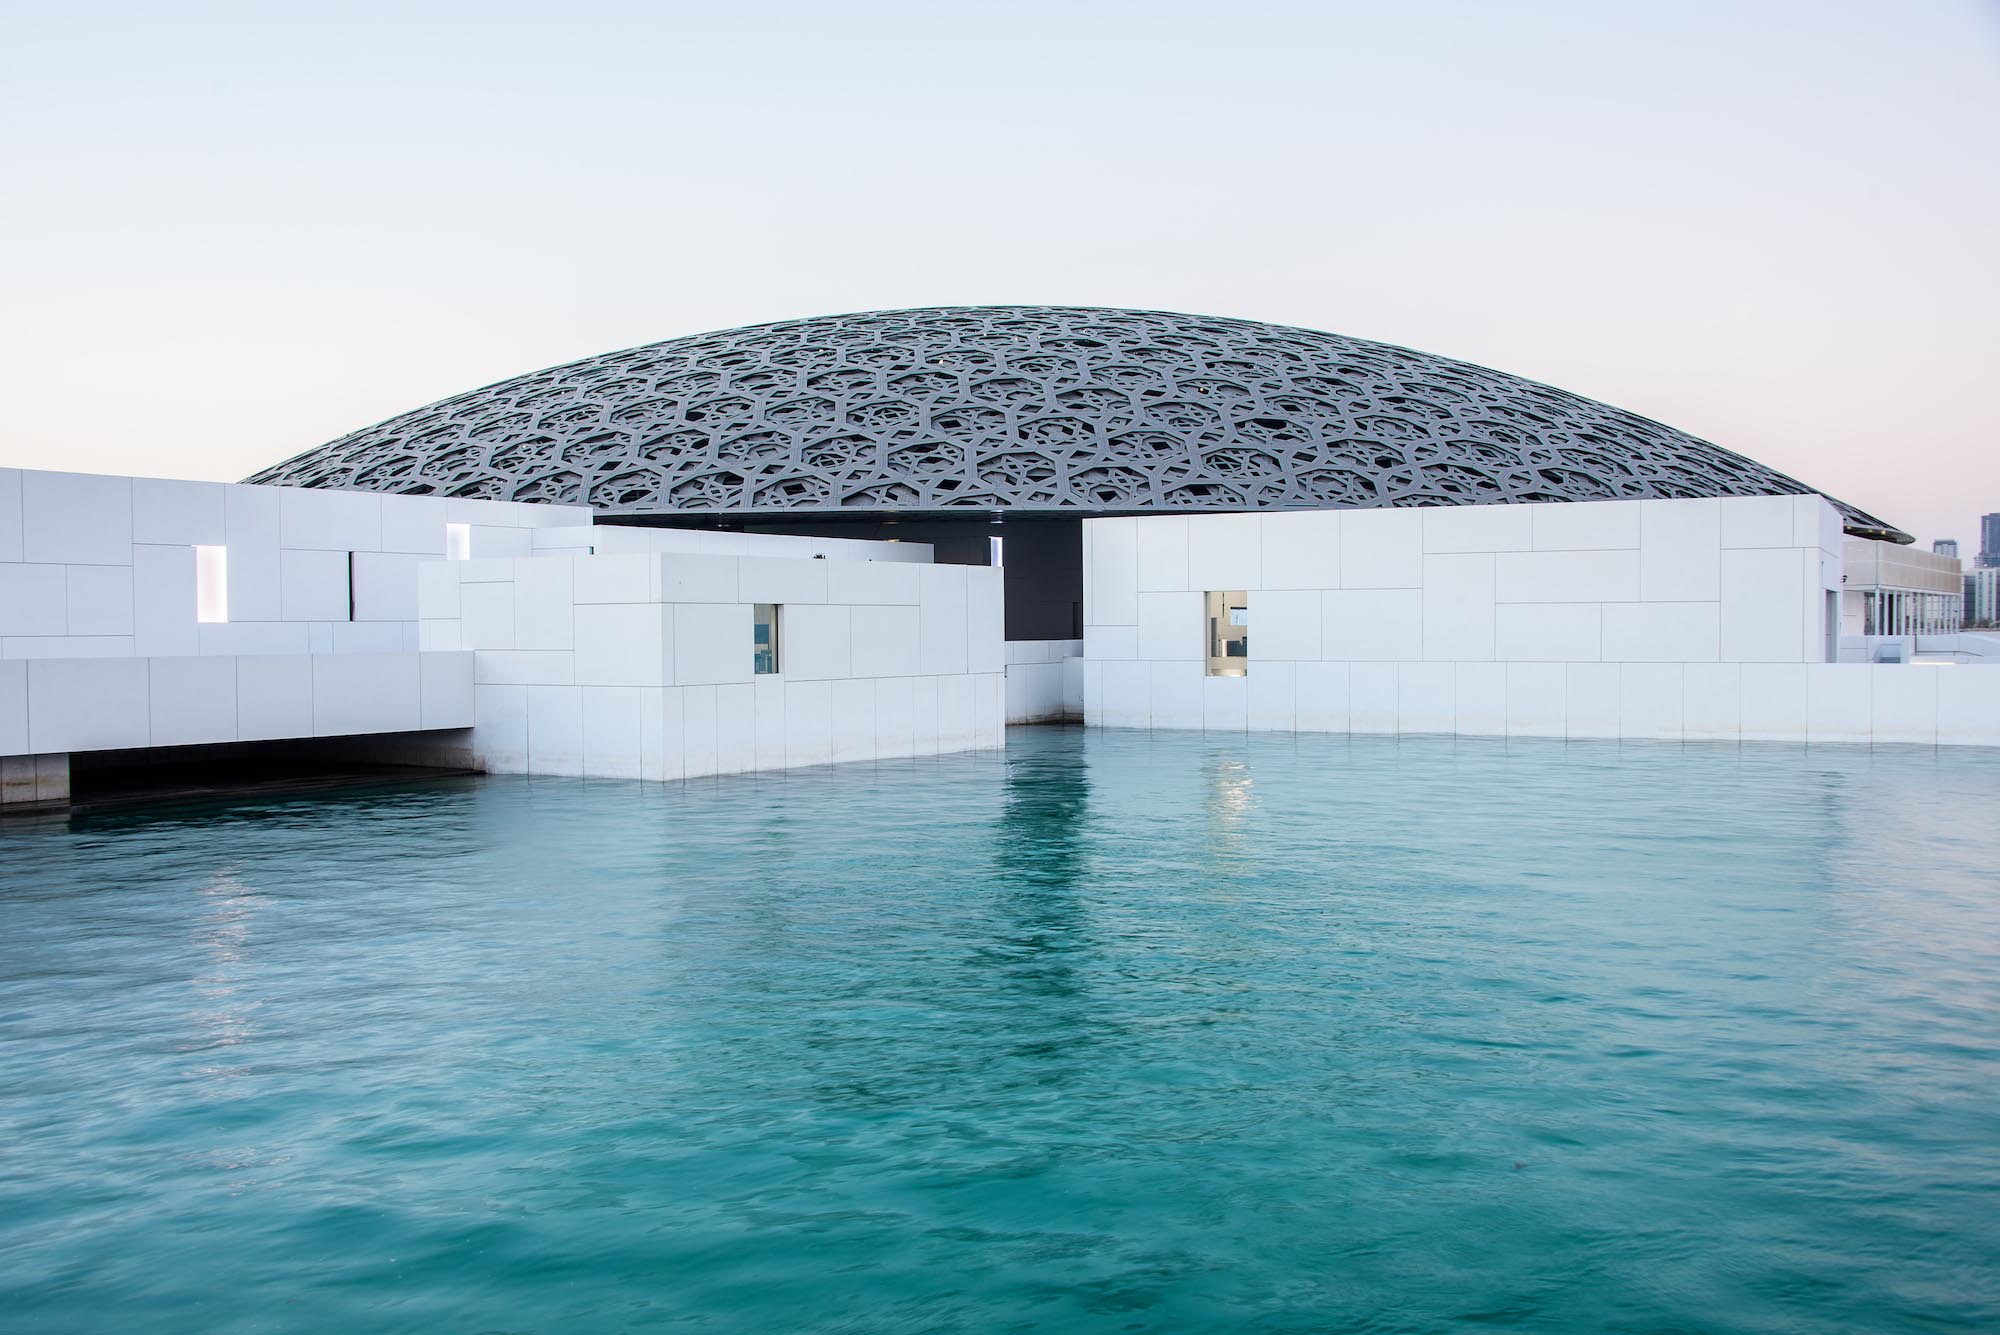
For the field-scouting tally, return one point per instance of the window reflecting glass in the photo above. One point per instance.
(764, 638)
(1228, 633)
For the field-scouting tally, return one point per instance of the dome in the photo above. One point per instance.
(1026, 410)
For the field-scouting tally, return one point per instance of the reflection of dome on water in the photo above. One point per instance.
(1026, 410)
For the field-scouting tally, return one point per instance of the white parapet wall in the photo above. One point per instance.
(642, 665)
(95, 566)
(63, 705)
(1643, 619)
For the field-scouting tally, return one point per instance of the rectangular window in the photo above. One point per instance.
(211, 584)
(458, 542)
(764, 638)
(995, 552)
(1228, 633)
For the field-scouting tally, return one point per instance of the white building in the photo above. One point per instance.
(1677, 619)
(140, 614)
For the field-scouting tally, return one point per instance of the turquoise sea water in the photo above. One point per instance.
(1115, 1033)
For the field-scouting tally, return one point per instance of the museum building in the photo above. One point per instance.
(889, 534)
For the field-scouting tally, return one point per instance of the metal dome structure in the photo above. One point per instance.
(1026, 411)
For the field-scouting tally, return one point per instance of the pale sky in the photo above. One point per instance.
(233, 231)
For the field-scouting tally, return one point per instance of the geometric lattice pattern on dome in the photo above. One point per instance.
(1012, 408)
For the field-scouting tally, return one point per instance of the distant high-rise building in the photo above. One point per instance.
(1945, 547)
(1989, 542)
(1982, 597)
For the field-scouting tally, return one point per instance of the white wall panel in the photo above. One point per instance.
(1102, 642)
(1273, 698)
(385, 585)
(623, 644)
(768, 694)
(193, 701)
(1372, 697)
(924, 708)
(615, 579)
(1968, 705)
(13, 708)
(957, 717)
(699, 579)
(555, 730)
(34, 599)
(373, 637)
(1903, 702)
(437, 589)
(808, 723)
(10, 516)
(854, 719)
(1478, 528)
(986, 620)
(253, 637)
(816, 643)
(251, 523)
(66, 646)
(87, 704)
(1372, 625)
(1838, 703)
(1651, 701)
(1548, 632)
(1773, 706)
(313, 586)
(356, 693)
(712, 643)
(1537, 700)
(614, 731)
(1300, 549)
(1591, 705)
(1680, 549)
(777, 579)
(525, 667)
(884, 640)
(76, 518)
(895, 717)
(1481, 699)
(1176, 695)
(1566, 576)
(1161, 554)
(1284, 625)
(1756, 521)
(1171, 626)
(1128, 693)
(1712, 701)
(413, 525)
(886, 582)
(1381, 549)
(1113, 569)
(500, 734)
(1426, 697)
(1322, 693)
(171, 512)
(1661, 632)
(735, 728)
(446, 694)
(1225, 704)
(1586, 525)
(544, 603)
(340, 521)
(943, 623)
(1458, 606)
(1762, 616)
(1224, 551)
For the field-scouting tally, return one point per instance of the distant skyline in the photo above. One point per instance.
(234, 231)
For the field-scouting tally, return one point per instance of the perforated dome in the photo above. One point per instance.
(1015, 409)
